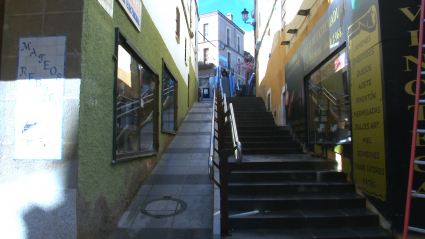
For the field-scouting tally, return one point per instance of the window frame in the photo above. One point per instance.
(124, 42)
(185, 50)
(307, 96)
(239, 44)
(229, 57)
(282, 14)
(205, 31)
(176, 107)
(178, 25)
(206, 56)
(188, 90)
(228, 33)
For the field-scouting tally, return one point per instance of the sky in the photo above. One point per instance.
(233, 6)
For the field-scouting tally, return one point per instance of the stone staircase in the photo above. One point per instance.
(279, 192)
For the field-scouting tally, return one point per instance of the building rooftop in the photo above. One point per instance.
(217, 12)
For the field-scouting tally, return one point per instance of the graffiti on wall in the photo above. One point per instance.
(39, 99)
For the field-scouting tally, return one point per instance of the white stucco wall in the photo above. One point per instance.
(165, 22)
(264, 14)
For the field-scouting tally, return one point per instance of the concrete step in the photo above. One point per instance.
(333, 218)
(279, 188)
(287, 176)
(252, 163)
(295, 202)
(270, 145)
(313, 233)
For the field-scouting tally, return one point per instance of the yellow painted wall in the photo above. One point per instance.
(275, 74)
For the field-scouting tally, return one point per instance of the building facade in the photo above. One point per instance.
(91, 94)
(341, 76)
(221, 43)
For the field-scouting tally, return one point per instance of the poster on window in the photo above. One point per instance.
(39, 99)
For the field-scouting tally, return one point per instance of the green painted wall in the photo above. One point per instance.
(106, 189)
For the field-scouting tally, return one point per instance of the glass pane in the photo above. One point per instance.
(147, 106)
(168, 102)
(329, 106)
(135, 105)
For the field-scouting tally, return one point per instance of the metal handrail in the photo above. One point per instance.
(235, 138)
(211, 158)
(127, 112)
(219, 100)
(328, 94)
(237, 146)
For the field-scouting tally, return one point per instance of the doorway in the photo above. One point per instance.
(206, 92)
(283, 103)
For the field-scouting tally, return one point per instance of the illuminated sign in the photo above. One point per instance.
(133, 8)
(39, 99)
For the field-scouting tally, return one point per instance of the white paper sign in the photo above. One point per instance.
(108, 5)
(39, 99)
(133, 8)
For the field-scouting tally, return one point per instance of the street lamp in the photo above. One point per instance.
(245, 17)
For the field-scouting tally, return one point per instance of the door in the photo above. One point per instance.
(283, 98)
(206, 92)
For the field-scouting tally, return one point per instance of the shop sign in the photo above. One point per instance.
(39, 98)
(223, 64)
(369, 171)
(223, 58)
(133, 8)
(108, 5)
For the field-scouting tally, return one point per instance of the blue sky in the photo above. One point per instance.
(225, 6)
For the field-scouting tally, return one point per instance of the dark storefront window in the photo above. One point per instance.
(169, 113)
(328, 102)
(135, 121)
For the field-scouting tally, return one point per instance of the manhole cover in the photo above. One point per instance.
(148, 207)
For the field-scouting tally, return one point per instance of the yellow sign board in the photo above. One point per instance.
(367, 108)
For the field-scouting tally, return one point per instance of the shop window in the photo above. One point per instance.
(135, 121)
(169, 101)
(329, 102)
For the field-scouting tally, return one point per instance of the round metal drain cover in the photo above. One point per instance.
(146, 207)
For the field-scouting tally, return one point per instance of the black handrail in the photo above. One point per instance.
(225, 117)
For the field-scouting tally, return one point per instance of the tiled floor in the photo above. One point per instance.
(182, 173)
